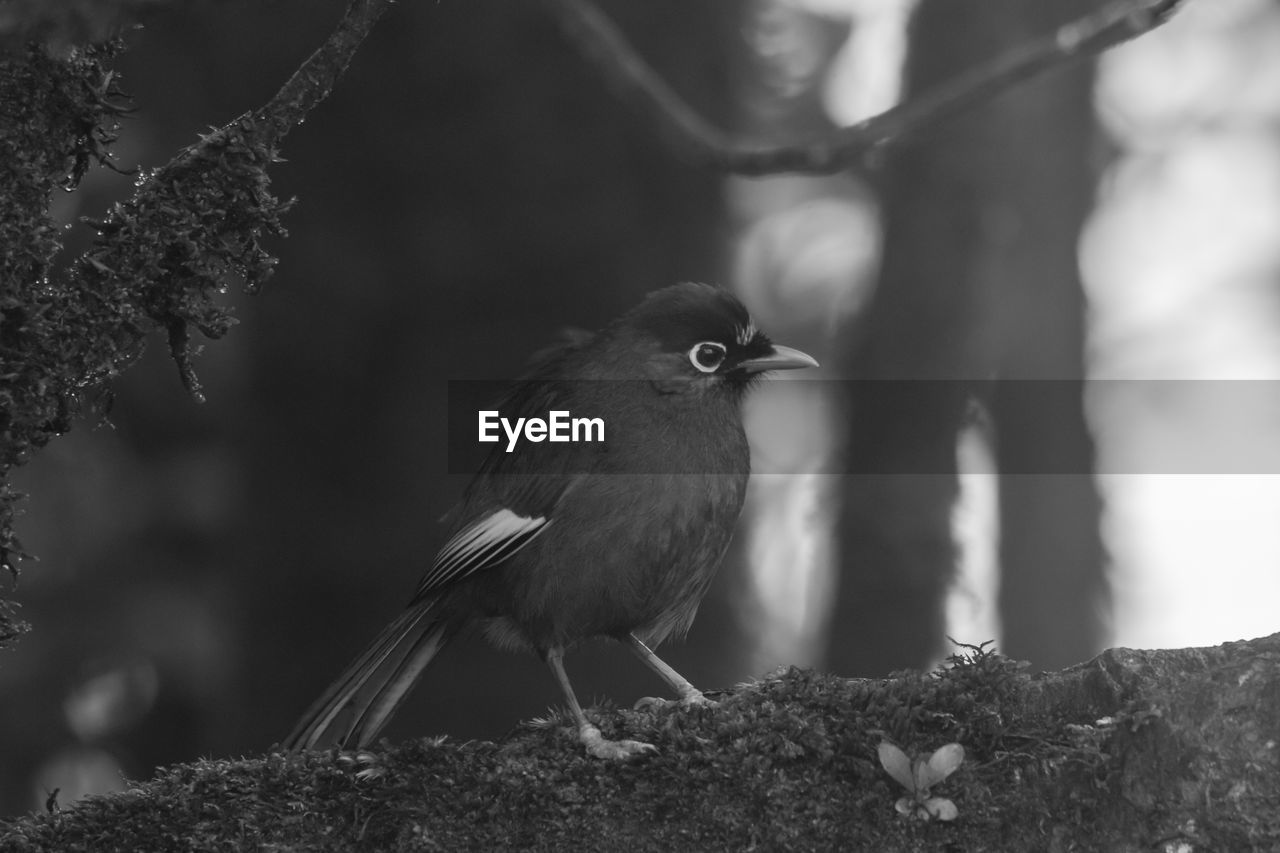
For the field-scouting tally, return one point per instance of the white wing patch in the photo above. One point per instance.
(484, 543)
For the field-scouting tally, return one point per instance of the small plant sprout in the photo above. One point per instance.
(920, 774)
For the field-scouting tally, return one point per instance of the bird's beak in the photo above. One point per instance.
(782, 358)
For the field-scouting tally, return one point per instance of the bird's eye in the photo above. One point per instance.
(707, 356)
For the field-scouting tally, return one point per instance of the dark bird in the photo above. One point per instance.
(552, 544)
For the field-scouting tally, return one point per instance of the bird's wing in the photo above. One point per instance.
(513, 497)
(485, 542)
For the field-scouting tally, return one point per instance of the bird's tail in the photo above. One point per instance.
(356, 706)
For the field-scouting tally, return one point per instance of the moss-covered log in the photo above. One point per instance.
(1175, 749)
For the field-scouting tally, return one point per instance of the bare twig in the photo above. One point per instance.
(315, 78)
(602, 43)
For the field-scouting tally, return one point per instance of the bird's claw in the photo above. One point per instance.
(620, 750)
(369, 763)
(653, 703)
(613, 750)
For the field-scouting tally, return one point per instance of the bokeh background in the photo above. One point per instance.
(472, 187)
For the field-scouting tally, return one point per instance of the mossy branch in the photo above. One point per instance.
(1135, 750)
(159, 260)
(198, 220)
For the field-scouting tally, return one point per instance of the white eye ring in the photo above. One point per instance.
(708, 356)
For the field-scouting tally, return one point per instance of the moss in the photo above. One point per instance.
(1131, 751)
(785, 763)
(60, 115)
(159, 260)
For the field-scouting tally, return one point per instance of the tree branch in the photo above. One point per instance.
(603, 44)
(214, 196)
(315, 78)
(1134, 750)
(159, 260)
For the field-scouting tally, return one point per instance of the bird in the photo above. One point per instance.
(552, 544)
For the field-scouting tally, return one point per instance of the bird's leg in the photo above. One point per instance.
(590, 736)
(689, 695)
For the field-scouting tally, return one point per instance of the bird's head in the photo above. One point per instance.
(695, 336)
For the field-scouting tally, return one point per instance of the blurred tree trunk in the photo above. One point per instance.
(979, 278)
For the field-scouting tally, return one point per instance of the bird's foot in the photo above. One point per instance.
(653, 703)
(369, 763)
(612, 750)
